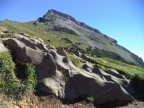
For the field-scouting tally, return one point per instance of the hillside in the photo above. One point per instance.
(57, 61)
(60, 29)
(34, 74)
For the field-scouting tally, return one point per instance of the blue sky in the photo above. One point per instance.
(122, 20)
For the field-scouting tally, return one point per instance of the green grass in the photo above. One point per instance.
(131, 71)
(44, 31)
(140, 76)
(39, 31)
(74, 60)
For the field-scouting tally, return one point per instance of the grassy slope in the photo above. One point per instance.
(54, 37)
(130, 71)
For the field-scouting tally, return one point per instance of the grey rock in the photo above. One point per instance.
(61, 78)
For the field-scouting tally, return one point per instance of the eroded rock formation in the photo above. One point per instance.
(61, 78)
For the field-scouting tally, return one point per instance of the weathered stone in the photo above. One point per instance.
(61, 51)
(61, 78)
(32, 42)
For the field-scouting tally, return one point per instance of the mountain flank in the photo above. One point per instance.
(90, 37)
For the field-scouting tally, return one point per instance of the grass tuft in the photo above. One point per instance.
(74, 60)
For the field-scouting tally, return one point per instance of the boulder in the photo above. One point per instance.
(101, 90)
(59, 77)
(32, 42)
(61, 51)
(43, 61)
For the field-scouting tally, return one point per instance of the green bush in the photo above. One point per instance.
(9, 83)
(31, 78)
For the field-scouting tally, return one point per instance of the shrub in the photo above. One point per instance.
(31, 78)
(8, 81)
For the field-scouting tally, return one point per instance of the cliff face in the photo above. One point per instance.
(97, 43)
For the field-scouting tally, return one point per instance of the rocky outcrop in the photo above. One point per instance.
(32, 42)
(61, 78)
(61, 51)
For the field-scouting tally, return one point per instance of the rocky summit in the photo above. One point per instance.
(60, 56)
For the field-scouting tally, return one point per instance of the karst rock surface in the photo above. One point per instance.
(61, 78)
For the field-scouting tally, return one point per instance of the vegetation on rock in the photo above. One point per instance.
(74, 60)
(31, 79)
(9, 83)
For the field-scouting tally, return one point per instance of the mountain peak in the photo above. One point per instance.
(52, 11)
(61, 15)
(62, 18)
